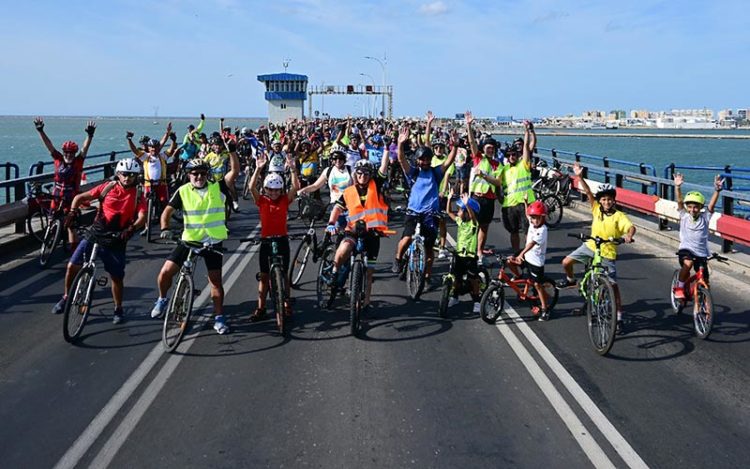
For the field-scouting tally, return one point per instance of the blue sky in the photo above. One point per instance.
(522, 58)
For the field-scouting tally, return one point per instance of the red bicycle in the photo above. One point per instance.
(493, 299)
(698, 290)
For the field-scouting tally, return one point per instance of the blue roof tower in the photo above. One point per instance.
(286, 94)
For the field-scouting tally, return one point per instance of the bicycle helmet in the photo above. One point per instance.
(423, 153)
(363, 166)
(144, 140)
(605, 189)
(489, 141)
(338, 155)
(377, 139)
(473, 205)
(273, 181)
(695, 197)
(246, 131)
(438, 141)
(154, 143)
(215, 141)
(537, 209)
(196, 164)
(128, 165)
(70, 147)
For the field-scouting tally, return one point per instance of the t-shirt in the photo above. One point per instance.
(152, 166)
(217, 162)
(466, 237)
(424, 190)
(608, 226)
(535, 256)
(352, 156)
(338, 180)
(118, 209)
(273, 215)
(694, 233)
(444, 189)
(67, 176)
(375, 155)
(276, 162)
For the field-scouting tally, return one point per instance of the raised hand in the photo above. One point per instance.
(169, 127)
(468, 117)
(39, 124)
(430, 117)
(678, 179)
(290, 162)
(718, 182)
(577, 169)
(129, 134)
(90, 128)
(262, 160)
(203, 116)
(403, 135)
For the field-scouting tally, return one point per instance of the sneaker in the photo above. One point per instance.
(159, 307)
(679, 293)
(258, 315)
(544, 316)
(453, 301)
(117, 317)
(442, 254)
(59, 306)
(566, 283)
(220, 326)
(236, 206)
(396, 266)
(477, 307)
(620, 328)
(480, 261)
(327, 275)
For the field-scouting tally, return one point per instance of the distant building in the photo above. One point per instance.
(616, 115)
(640, 114)
(286, 94)
(742, 114)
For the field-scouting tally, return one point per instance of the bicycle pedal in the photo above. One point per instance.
(102, 281)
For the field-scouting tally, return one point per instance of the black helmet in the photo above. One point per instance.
(215, 140)
(338, 155)
(489, 141)
(144, 140)
(423, 153)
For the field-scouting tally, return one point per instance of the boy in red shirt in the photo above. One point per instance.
(273, 206)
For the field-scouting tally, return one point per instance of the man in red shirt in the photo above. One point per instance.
(122, 209)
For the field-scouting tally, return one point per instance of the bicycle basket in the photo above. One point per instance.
(311, 208)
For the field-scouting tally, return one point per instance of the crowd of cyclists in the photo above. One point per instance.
(365, 165)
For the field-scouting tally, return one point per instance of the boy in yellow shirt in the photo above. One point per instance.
(608, 222)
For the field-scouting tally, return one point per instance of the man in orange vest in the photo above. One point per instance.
(364, 201)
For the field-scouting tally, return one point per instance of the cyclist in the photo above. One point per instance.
(339, 177)
(273, 207)
(516, 183)
(608, 222)
(439, 157)
(364, 201)
(307, 156)
(217, 160)
(202, 202)
(68, 170)
(466, 246)
(349, 142)
(424, 203)
(693, 250)
(533, 254)
(122, 209)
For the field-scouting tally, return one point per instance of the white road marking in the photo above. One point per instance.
(89, 436)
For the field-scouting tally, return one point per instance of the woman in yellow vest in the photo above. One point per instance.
(202, 204)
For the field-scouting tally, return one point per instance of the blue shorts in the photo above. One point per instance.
(113, 259)
(584, 255)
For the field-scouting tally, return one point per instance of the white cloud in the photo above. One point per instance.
(434, 8)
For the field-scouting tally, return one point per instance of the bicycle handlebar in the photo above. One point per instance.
(269, 239)
(597, 240)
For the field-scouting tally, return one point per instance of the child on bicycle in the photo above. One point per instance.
(533, 254)
(273, 206)
(608, 222)
(467, 237)
(694, 221)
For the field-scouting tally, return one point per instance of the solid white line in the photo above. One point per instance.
(89, 436)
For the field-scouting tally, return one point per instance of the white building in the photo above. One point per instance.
(286, 94)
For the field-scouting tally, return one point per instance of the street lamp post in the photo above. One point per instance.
(382, 66)
(373, 87)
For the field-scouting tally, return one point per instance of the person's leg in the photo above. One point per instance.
(482, 239)
(166, 275)
(118, 285)
(217, 291)
(262, 290)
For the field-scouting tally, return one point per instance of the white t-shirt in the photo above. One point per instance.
(694, 233)
(154, 166)
(338, 180)
(276, 162)
(535, 256)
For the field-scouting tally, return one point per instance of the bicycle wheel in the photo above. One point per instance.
(357, 298)
(50, 241)
(323, 289)
(445, 296)
(677, 304)
(78, 304)
(149, 216)
(299, 261)
(36, 225)
(177, 317)
(277, 292)
(554, 209)
(601, 314)
(415, 272)
(484, 279)
(703, 312)
(492, 303)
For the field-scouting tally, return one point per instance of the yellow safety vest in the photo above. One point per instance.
(516, 183)
(204, 216)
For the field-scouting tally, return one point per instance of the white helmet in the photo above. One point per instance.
(128, 165)
(273, 181)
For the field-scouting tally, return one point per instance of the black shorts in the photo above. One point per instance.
(462, 172)
(371, 244)
(684, 254)
(486, 210)
(443, 201)
(536, 273)
(514, 218)
(180, 253)
(428, 228)
(466, 265)
(265, 255)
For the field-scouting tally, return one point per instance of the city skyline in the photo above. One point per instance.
(526, 58)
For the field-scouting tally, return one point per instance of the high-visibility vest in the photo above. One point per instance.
(203, 216)
(516, 184)
(374, 212)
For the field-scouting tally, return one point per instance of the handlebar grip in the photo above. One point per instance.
(575, 235)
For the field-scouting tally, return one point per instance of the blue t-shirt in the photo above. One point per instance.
(375, 155)
(424, 190)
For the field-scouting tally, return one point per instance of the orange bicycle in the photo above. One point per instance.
(493, 299)
(698, 290)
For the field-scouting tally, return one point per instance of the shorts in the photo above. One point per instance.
(585, 255)
(113, 259)
(514, 219)
(698, 261)
(443, 201)
(180, 253)
(265, 255)
(371, 245)
(428, 228)
(462, 172)
(466, 265)
(486, 210)
(536, 273)
(162, 193)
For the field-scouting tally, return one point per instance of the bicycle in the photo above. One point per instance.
(453, 285)
(697, 288)
(554, 207)
(278, 278)
(39, 201)
(552, 180)
(78, 302)
(416, 261)
(154, 207)
(311, 210)
(493, 299)
(598, 293)
(177, 316)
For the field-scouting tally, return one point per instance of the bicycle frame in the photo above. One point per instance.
(524, 287)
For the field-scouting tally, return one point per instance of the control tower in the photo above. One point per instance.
(286, 94)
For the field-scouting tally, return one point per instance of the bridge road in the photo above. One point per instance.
(417, 390)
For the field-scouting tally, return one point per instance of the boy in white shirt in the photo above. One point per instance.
(533, 254)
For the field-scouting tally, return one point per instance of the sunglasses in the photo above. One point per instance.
(198, 173)
(128, 175)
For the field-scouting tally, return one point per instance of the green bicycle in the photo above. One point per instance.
(598, 294)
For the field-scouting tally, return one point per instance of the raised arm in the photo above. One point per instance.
(403, 137)
(234, 163)
(295, 179)
(262, 161)
(428, 130)
(527, 147)
(39, 124)
(165, 137)
(578, 171)
(451, 154)
(678, 180)
(718, 187)
(90, 129)
(316, 185)
(469, 118)
(385, 161)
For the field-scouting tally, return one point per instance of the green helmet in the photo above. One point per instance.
(695, 197)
